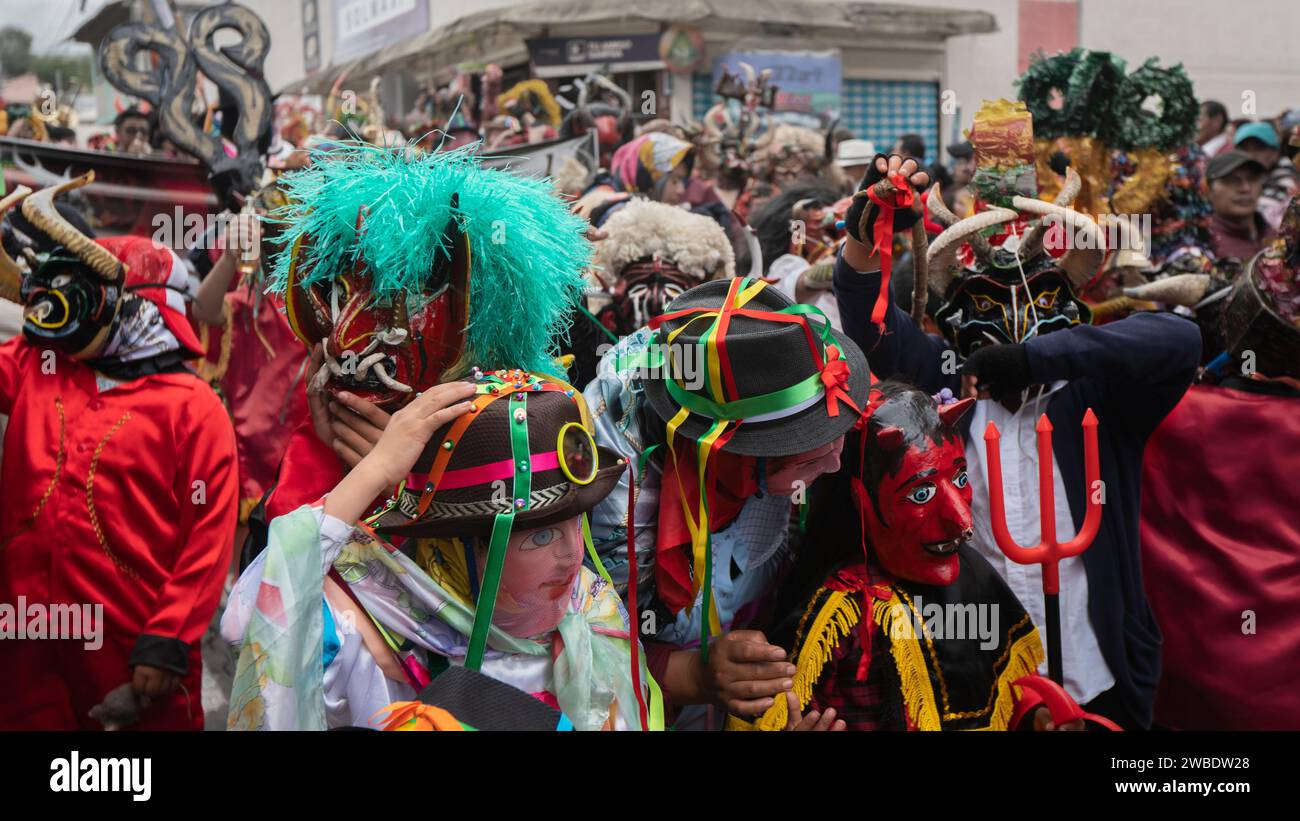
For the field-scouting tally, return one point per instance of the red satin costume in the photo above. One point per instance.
(1219, 540)
(101, 506)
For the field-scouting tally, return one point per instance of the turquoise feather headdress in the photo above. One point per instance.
(529, 251)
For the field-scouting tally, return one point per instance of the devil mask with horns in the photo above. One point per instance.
(72, 295)
(83, 294)
(911, 487)
(1016, 289)
(407, 265)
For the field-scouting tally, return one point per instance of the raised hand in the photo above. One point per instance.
(885, 168)
(398, 448)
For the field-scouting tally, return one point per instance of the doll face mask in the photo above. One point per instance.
(537, 578)
(912, 490)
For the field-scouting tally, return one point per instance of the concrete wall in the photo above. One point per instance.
(1228, 48)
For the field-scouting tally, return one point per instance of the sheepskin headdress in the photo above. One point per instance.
(642, 229)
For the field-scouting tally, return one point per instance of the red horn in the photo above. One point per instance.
(890, 438)
(949, 414)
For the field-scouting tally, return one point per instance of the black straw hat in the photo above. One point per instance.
(782, 374)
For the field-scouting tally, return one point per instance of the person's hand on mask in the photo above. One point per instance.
(398, 448)
(356, 425)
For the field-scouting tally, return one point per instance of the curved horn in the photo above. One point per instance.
(828, 155)
(1131, 253)
(1068, 192)
(935, 205)
(1082, 260)
(1180, 289)
(941, 258)
(939, 211)
(617, 91)
(40, 211)
(950, 414)
(1117, 307)
(920, 272)
(800, 209)
(11, 276)
(1032, 242)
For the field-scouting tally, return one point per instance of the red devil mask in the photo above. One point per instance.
(911, 487)
(384, 350)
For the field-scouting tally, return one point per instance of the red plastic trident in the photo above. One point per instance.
(1048, 552)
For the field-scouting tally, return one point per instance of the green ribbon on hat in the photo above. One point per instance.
(501, 528)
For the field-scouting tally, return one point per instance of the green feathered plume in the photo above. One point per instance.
(529, 252)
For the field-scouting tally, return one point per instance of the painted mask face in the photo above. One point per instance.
(537, 577)
(993, 306)
(68, 307)
(913, 492)
(385, 350)
(643, 290)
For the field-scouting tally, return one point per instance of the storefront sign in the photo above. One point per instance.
(364, 26)
(807, 81)
(566, 56)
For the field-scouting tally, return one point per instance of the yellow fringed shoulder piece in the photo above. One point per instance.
(1145, 187)
(1025, 656)
(909, 659)
(1089, 157)
(1022, 658)
(836, 618)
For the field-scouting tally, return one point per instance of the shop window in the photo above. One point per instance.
(876, 110)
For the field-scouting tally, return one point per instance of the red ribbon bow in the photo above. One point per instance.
(835, 376)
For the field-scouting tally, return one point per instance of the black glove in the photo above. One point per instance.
(1002, 370)
(904, 218)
